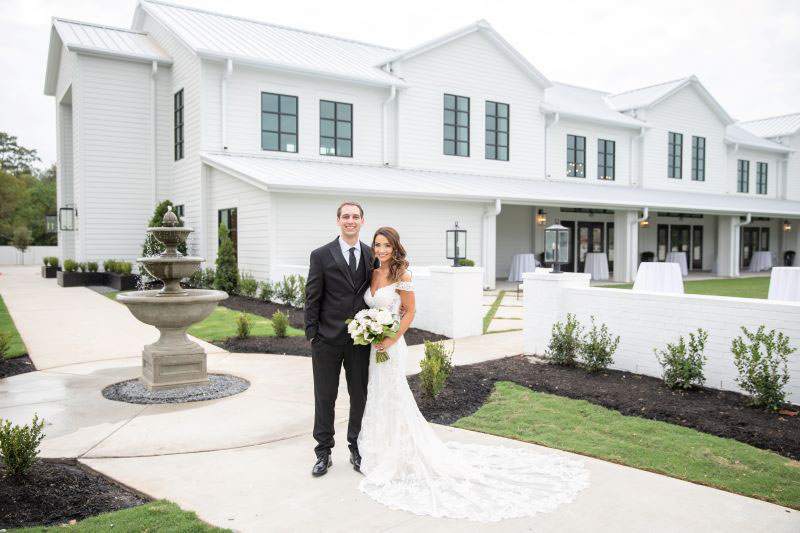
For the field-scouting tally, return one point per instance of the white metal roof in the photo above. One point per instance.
(735, 134)
(584, 103)
(783, 126)
(219, 36)
(306, 176)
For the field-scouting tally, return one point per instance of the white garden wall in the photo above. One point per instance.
(32, 256)
(646, 321)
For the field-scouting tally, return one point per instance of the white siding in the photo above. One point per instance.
(687, 113)
(471, 66)
(754, 157)
(244, 111)
(515, 227)
(793, 181)
(164, 133)
(65, 175)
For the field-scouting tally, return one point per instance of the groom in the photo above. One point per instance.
(338, 275)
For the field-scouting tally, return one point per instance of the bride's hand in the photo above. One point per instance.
(384, 345)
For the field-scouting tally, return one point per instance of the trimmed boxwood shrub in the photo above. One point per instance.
(683, 363)
(763, 366)
(565, 341)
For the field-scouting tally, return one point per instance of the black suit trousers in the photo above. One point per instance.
(327, 360)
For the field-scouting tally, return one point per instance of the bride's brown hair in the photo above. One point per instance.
(397, 263)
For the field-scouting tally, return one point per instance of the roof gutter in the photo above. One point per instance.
(392, 96)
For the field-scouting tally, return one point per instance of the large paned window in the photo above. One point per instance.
(743, 173)
(230, 219)
(278, 122)
(605, 159)
(456, 125)
(761, 178)
(178, 124)
(576, 156)
(698, 158)
(497, 131)
(675, 156)
(335, 128)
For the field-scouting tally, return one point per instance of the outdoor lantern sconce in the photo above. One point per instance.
(66, 218)
(556, 246)
(644, 223)
(787, 226)
(541, 217)
(456, 244)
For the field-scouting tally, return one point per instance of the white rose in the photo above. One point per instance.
(385, 317)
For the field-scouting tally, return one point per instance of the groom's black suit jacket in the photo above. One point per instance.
(331, 295)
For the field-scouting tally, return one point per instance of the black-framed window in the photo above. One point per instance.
(576, 156)
(278, 122)
(743, 173)
(230, 218)
(761, 178)
(178, 124)
(497, 130)
(606, 151)
(335, 128)
(698, 158)
(456, 125)
(675, 156)
(179, 210)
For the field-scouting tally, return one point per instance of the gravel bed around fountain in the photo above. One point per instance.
(134, 391)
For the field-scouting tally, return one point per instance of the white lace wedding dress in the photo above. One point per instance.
(407, 467)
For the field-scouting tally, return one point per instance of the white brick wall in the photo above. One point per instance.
(646, 321)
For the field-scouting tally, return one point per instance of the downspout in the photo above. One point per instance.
(392, 96)
(224, 102)
(153, 110)
(547, 127)
(487, 215)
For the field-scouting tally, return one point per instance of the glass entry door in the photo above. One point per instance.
(590, 239)
(697, 248)
(679, 239)
(753, 240)
(570, 225)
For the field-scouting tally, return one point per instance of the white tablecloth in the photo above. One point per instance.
(784, 284)
(596, 264)
(521, 263)
(680, 258)
(659, 277)
(760, 261)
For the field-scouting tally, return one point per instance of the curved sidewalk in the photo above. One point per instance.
(243, 462)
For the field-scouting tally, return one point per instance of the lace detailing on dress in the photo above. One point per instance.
(405, 286)
(407, 466)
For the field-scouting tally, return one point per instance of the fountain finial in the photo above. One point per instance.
(170, 219)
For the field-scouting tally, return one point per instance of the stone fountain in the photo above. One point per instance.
(173, 360)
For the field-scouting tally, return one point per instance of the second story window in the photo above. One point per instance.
(698, 158)
(675, 156)
(335, 128)
(456, 125)
(743, 173)
(178, 124)
(278, 122)
(605, 159)
(576, 156)
(761, 178)
(497, 131)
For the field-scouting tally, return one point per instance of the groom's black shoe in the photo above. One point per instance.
(355, 460)
(324, 462)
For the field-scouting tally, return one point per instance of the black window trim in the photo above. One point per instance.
(573, 173)
(336, 121)
(743, 176)
(280, 114)
(604, 151)
(762, 177)
(507, 131)
(675, 155)
(177, 125)
(698, 158)
(455, 125)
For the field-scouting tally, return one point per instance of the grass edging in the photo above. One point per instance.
(577, 426)
(746, 287)
(17, 348)
(489, 316)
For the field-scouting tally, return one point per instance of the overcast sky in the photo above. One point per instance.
(747, 53)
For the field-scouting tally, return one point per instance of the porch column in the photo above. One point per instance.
(791, 241)
(728, 246)
(489, 244)
(626, 245)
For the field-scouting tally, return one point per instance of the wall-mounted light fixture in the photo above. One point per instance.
(787, 226)
(644, 223)
(541, 217)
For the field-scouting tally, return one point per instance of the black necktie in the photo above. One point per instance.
(352, 263)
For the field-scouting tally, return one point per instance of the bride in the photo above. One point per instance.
(407, 467)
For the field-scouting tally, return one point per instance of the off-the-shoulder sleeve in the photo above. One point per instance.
(405, 286)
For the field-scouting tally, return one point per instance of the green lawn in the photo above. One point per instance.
(578, 426)
(222, 324)
(756, 287)
(17, 348)
(155, 516)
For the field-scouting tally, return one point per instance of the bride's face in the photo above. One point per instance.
(382, 249)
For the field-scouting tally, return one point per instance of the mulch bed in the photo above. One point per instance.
(289, 345)
(17, 365)
(722, 413)
(55, 493)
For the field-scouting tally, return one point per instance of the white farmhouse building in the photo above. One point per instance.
(269, 128)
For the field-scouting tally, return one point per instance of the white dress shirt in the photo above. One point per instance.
(346, 251)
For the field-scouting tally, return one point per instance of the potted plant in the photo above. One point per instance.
(118, 275)
(50, 267)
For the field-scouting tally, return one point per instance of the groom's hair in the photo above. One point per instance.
(355, 204)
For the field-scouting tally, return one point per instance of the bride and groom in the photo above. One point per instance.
(405, 464)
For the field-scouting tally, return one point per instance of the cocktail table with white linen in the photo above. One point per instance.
(596, 264)
(659, 277)
(680, 258)
(760, 261)
(784, 284)
(521, 263)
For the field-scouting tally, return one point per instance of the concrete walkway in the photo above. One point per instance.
(243, 462)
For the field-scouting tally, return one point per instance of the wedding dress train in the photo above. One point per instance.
(407, 467)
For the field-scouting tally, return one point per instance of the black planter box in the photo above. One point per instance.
(50, 272)
(80, 279)
(122, 282)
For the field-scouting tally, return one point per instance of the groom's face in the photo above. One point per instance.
(350, 221)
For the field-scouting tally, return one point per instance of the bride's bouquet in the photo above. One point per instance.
(373, 325)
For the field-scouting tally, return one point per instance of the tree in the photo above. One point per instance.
(227, 273)
(21, 239)
(14, 158)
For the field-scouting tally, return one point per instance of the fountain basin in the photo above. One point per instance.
(171, 271)
(175, 312)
